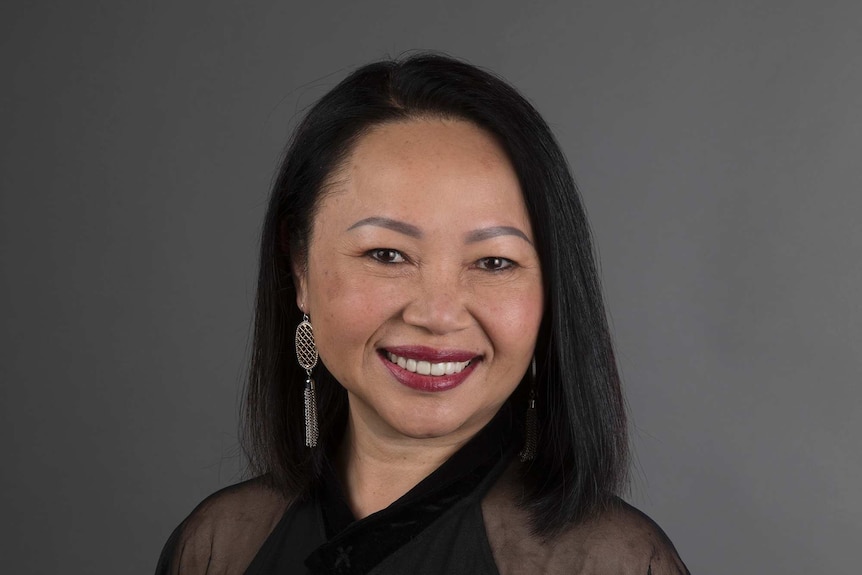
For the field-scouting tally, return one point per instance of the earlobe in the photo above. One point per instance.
(299, 284)
(297, 268)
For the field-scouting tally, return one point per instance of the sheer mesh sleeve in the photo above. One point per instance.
(223, 534)
(620, 541)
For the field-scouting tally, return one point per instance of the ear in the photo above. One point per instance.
(297, 268)
(300, 283)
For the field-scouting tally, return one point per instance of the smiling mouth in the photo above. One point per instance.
(423, 367)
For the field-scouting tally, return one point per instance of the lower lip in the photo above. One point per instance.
(431, 383)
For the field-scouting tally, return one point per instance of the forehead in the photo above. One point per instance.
(428, 141)
(425, 168)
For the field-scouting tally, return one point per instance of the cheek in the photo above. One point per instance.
(348, 308)
(513, 320)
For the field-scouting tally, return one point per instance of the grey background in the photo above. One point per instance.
(717, 145)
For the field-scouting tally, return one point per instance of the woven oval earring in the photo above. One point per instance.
(306, 355)
(531, 423)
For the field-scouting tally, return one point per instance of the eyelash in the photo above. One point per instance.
(375, 255)
(504, 264)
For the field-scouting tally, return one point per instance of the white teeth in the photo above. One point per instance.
(426, 367)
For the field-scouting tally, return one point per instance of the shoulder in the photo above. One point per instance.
(620, 540)
(623, 539)
(225, 531)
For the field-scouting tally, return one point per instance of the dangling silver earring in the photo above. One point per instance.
(306, 355)
(531, 432)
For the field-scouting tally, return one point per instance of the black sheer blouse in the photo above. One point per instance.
(461, 519)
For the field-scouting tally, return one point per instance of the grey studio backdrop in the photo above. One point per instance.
(718, 149)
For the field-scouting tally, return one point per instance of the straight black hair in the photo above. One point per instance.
(582, 458)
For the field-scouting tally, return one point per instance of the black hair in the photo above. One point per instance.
(582, 457)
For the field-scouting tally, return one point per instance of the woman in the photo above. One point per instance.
(454, 405)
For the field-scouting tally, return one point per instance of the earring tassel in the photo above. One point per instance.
(531, 435)
(311, 430)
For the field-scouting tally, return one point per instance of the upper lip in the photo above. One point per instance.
(430, 354)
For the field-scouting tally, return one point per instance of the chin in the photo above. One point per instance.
(431, 424)
(427, 429)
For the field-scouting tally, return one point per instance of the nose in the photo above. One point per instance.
(438, 304)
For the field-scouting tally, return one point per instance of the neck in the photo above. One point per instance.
(376, 471)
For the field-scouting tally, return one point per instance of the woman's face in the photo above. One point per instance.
(422, 281)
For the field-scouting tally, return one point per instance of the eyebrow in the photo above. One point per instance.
(414, 232)
(493, 232)
(389, 223)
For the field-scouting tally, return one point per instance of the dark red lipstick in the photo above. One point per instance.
(422, 353)
(429, 383)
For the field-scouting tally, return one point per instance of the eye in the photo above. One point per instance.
(495, 264)
(387, 255)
